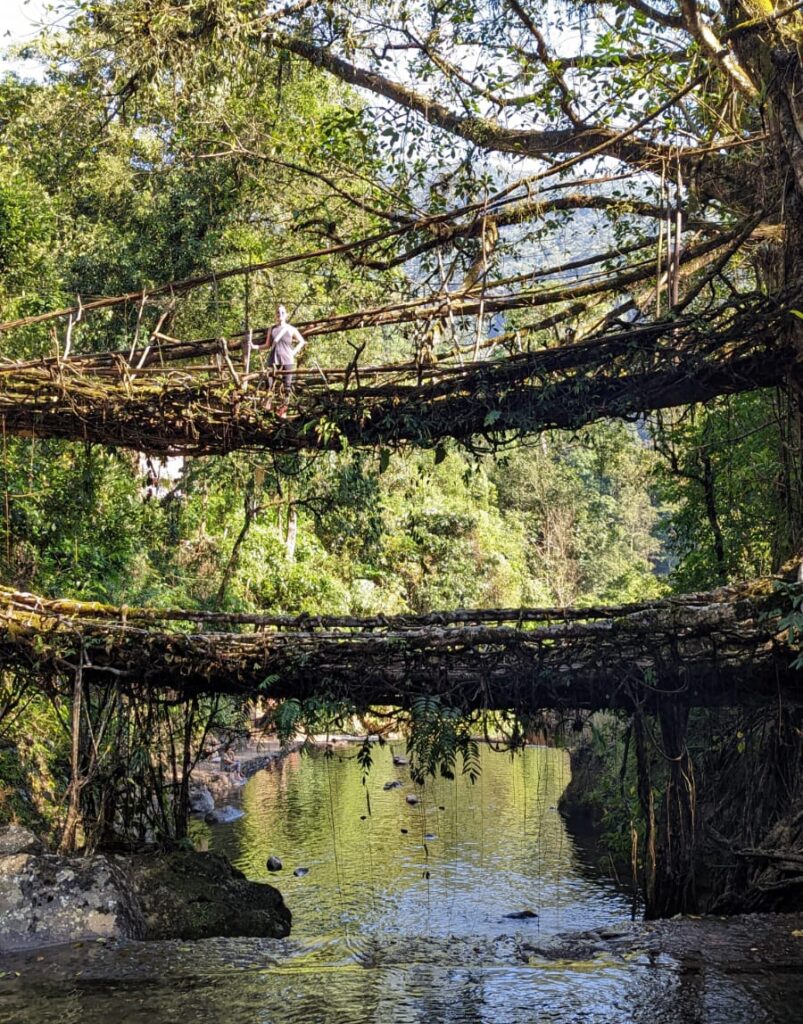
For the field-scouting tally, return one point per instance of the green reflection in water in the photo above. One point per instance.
(454, 863)
(374, 940)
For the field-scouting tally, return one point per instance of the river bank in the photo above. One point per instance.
(148, 893)
(215, 786)
(743, 839)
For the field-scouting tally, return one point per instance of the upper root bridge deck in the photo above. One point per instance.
(710, 649)
(168, 407)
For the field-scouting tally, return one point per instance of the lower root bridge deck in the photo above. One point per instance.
(725, 647)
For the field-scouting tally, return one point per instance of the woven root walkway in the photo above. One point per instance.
(718, 648)
(213, 407)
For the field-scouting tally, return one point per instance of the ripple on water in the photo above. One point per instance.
(392, 925)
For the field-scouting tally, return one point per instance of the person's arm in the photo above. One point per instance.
(265, 343)
(301, 342)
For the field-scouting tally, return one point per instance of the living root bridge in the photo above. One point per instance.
(720, 648)
(215, 408)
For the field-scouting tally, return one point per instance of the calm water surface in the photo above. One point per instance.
(402, 918)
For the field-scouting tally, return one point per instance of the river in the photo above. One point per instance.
(402, 916)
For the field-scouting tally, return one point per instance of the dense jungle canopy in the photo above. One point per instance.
(569, 163)
(426, 186)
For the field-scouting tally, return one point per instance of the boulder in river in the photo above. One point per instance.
(395, 784)
(411, 799)
(522, 915)
(46, 899)
(399, 761)
(188, 895)
(223, 815)
(301, 872)
(273, 864)
(201, 800)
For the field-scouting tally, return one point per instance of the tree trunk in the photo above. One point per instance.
(647, 800)
(292, 533)
(69, 838)
(674, 880)
(773, 56)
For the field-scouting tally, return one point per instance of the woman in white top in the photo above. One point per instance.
(285, 342)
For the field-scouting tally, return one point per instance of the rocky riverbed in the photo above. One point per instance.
(213, 788)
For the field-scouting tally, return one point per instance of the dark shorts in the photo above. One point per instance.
(285, 379)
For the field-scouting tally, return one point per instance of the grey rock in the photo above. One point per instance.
(301, 872)
(392, 785)
(273, 864)
(522, 915)
(46, 899)
(201, 800)
(429, 837)
(16, 839)
(220, 785)
(412, 800)
(399, 761)
(223, 815)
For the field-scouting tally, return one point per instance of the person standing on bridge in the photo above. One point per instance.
(284, 342)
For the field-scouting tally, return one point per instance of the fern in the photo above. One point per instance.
(365, 758)
(438, 734)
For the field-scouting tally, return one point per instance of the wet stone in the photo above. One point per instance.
(223, 815)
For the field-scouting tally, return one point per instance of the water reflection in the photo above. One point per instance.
(499, 847)
(391, 927)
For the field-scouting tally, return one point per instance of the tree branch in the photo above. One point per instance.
(704, 34)
(547, 60)
(483, 131)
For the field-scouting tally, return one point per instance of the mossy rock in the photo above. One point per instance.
(188, 895)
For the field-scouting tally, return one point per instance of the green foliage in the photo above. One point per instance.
(33, 759)
(320, 714)
(437, 735)
(793, 620)
(722, 487)
(586, 506)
